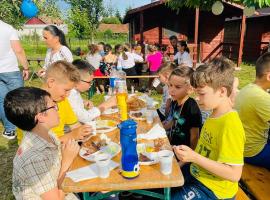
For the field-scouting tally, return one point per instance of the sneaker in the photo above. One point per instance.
(9, 134)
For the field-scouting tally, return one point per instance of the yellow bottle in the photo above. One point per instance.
(122, 103)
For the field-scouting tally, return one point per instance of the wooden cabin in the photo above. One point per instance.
(257, 35)
(204, 31)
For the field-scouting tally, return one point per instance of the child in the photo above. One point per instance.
(94, 58)
(216, 163)
(253, 106)
(126, 62)
(186, 123)
(164, 73)
(61, 77)
(183, 58)
(41, 162)
(154, 59)
(77, 103)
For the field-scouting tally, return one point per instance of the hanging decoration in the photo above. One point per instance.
(217, 8)
(29, 9)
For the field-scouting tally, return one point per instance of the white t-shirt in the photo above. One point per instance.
(63, 54)
(94, 60)
(8, 59)
(77, 105)
(130, 62)
(183, 58)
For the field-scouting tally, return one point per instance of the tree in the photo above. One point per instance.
(10, 11)
(110, 20)
(118, 15)
(176, 4)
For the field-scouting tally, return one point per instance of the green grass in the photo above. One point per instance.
(8, 148)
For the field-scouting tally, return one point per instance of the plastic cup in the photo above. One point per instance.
(149, 116)
(103, 161)
(93, 124)
(165, 159)
(156, 82)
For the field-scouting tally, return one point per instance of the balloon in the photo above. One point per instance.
(249, 11)
(217, 8)
(29, 8)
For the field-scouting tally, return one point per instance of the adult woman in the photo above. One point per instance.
(57, 47)
(110, 60)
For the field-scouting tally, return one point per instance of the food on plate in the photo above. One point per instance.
(143, 158)
(93, 145)
(134, 103)
(137, 115)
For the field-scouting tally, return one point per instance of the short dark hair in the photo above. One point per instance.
(173, 37)
(215, 74)
(83, 66)
(262, 64)
(23, 104)
(57, 32)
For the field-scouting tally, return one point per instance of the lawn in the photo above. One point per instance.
(8, 148)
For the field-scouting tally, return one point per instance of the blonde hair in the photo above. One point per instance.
(216, 74)
(126, 48)
(183, 72)
(63, 71)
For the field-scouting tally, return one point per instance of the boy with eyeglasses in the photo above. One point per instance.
(84, 109)
(41, 162)
(61, 77)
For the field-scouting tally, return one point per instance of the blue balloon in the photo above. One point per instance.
(29, 8)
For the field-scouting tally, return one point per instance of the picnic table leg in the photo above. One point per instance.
(86, 196)
(167, 193)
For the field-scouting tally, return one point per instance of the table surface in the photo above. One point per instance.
(149, 177)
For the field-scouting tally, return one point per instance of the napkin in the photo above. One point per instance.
(88, 172)
(155, 132)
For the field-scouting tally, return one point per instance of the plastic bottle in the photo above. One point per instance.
(128, 141)
(113, 78)
(121, 97)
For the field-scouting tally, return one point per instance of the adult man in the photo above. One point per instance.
(10, 75)
(173, 40)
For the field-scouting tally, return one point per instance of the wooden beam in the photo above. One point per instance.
(160, 35)
(196, 33)
(141, 27)
(242, 35)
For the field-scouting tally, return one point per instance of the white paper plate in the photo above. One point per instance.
(111, 149)
(110, 111)
(105, 126)
(141, 149)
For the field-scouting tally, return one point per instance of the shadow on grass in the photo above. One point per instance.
(7, 153)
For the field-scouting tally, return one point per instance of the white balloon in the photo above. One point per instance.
(217, 8)
(249, 11)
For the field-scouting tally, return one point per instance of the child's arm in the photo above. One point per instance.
(223, 170)
(77, 133)
(167, 125)
(194, 137)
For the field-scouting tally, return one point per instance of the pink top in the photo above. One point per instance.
(154, 61)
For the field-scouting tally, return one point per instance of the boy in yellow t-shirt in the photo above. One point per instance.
(216, 164)
(60, 78)
(253, 105)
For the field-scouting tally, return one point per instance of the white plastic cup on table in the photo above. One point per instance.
(165, 160)
(103, 161)
(149, 116)
(156, 82)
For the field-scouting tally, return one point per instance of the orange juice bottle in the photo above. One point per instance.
(121, 97)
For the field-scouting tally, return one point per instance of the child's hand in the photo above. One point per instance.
(82, 132)
(69, 151)
(88, 104)
(185, 153)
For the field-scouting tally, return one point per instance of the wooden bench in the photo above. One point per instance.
(241, 195)
(257, 181)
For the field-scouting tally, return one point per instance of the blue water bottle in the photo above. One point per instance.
(128, 140)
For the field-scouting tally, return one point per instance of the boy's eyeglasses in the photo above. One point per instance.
(55, 107)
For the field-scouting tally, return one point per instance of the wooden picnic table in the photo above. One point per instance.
(150, 176)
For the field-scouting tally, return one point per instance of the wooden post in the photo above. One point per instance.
(240, 52)
(196, 37)
(141, 27)
(160, 35)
